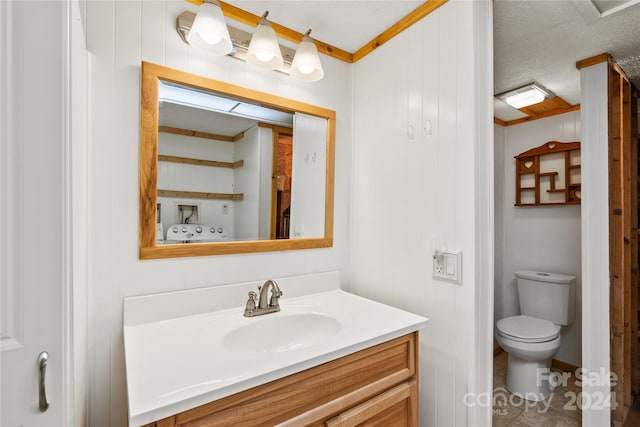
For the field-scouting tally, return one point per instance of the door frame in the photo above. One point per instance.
(481, 372)
(275, 139)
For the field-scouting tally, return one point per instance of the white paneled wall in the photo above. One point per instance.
(546, 238)
(415, 146)
(121, 34)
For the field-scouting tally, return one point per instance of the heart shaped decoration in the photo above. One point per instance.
(577, 194)
(551, 145)
(528, 163)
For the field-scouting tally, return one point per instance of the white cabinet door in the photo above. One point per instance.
(33, 211)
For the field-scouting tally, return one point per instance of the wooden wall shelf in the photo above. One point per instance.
(198, 134)
(200, 162)
(536, 180)
(200, 195)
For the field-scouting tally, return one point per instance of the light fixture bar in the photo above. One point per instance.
(239, 38)
(184, 22)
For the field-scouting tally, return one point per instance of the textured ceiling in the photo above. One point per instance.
(541, 40)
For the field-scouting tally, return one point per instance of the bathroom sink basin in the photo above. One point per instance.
(279, 332)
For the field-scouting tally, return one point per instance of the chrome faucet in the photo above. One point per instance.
(263, 306)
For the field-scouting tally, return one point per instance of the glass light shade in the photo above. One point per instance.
(524, 99)
(306, 64)
(209, 30)
(264, 50)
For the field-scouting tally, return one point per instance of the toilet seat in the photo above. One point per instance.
(528, 329)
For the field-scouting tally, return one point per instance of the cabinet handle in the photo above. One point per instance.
(42, 395)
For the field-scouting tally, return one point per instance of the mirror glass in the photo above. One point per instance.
(225, 169)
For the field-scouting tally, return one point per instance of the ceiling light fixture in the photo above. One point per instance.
(306, 64)
(264, 50)
(208, 30)
(525, 96)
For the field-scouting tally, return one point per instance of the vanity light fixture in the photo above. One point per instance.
(306, 64)
(525, 96)
(208, 30)
(261, 48)
(264, 50)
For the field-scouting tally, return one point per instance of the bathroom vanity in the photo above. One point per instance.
(377, 384)
(327, 357)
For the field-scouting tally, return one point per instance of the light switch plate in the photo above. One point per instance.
(447, 265)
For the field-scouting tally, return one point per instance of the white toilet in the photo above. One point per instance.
(531, 339)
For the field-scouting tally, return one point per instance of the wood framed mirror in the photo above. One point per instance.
(237, 170)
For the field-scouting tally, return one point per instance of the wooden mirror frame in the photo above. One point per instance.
(148, 249)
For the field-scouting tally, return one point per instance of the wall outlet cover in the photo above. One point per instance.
(447, 265)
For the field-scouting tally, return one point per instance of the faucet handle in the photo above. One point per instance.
(275, 296)
(251, 304)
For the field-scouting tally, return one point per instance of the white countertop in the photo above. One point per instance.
(177, 363)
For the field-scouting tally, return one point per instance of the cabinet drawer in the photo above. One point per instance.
(313, 395)
(395, 407)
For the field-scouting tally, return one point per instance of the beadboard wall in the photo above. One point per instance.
(121, 34)
(410, 195)
(544, 238)
(418, 156)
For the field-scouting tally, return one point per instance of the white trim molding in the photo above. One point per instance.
(481, 380)
(595, 241)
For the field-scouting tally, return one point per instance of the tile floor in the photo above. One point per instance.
(560, 410)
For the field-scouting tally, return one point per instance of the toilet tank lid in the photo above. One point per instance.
(545, 277)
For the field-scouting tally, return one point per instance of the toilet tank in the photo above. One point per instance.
(547, 296)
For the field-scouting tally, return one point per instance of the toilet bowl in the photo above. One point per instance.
(530, 343)
(532, 338)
